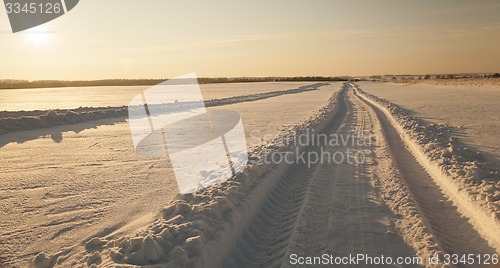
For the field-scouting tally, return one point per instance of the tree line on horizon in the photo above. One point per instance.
(434, 76)
(17, 84)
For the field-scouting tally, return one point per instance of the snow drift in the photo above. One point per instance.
(471, 182)
(28, 120)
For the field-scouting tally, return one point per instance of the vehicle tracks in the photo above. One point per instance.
(338, 208)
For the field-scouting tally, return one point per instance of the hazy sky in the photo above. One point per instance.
(162, 38)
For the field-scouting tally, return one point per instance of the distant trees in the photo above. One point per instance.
(13, 84)
(376, 77)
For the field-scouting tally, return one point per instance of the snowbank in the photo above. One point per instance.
(58, 117)
(265, 95)
(28, 120)
(472, 183)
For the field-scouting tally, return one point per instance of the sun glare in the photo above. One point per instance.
(38, 36)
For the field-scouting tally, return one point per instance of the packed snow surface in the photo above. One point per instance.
(66, 184)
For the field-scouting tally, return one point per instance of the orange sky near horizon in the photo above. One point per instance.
(221, 38)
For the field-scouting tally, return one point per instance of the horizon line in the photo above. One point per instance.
(242, 77)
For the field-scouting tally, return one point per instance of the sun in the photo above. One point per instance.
(38, 36)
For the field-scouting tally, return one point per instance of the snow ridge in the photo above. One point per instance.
(464, 175)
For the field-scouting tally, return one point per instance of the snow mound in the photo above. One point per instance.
(57, 118)
(469, 167)
(474, 182)
(28, 120)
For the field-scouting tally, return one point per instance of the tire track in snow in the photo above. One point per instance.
(449, 227)
(345, 213)
(331, 208)
(265, 242)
